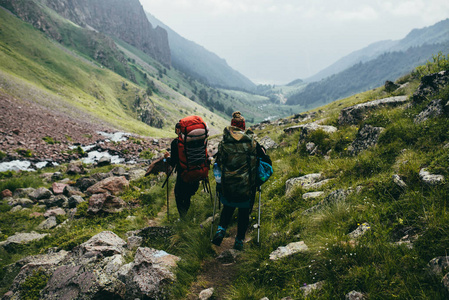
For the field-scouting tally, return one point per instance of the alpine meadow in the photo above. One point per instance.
(90, 93)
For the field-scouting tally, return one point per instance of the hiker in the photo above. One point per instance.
(238, 155)
(189, 158)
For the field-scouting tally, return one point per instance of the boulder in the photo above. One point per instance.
(58, 188)
(23, 192)
(367, 137)
(268, 143)
(6, 194)
(433, 110)
(22, 239)
(149, 275)
(305, 181)
(439, 265)
(361, 230)
(431, 179)
(105, 242)
(40, 194)
(430, 84)
(59, 200)
(104, 161)
(49, 223)
(113, 185)
(84, 183)
(105, 203)
(206, 294)
(354, 114)
(75, 200)
(311, 287)
(75, 168)
(54, 212)
(288, 250)
(354, 295)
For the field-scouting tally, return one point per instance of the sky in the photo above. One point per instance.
(278, 41)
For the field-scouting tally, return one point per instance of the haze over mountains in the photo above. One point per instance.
(119, 35)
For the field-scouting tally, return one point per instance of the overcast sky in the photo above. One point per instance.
(277, 41)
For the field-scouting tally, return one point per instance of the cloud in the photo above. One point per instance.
(359, 14)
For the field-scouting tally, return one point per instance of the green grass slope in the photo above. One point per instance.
(373, 264)
(60, 77)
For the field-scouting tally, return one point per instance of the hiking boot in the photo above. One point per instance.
(219, 235)
(238, 244)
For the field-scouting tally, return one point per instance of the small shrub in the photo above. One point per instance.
(81, 209)
(25, 152)
(50, 140)
(2, 155)
(33, 285)
(146, 154)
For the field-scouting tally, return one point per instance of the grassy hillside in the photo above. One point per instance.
(365, 76)
(61, 77)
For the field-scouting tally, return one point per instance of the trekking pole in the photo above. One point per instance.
(166, 182)
(213, 215)
(258, 222)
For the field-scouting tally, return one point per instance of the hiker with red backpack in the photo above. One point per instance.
(238, 158)
(189, 158)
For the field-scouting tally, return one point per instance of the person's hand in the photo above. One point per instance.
(166, 155)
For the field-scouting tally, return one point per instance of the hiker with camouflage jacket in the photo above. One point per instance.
(238, 155)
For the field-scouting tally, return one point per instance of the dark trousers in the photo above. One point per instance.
(242, 219)
(183, 192)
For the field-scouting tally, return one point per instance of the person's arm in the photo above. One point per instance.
(173, 157)
(262, 154)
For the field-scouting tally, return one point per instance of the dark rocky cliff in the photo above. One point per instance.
(124, 19)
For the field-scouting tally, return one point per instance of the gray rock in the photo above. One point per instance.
(398, 181)
(206, 294)
(433, 110)
(431, 179)
(439, 265)
(75, 168)
(59, 201)
(23, 192)
(312, 287)
(354, 295)
(54, 212)
(134, 242)
(430, 84)
(136, 174)
(23, 202)
(312, 195)
(228, 256)
(104, 161)
(361, 230)
(288, 250)
(357, 113)
(105, 203)
(75, 200)
(40, 194)
(268, 143)
(48, 223)
(366, 138)
(105, 242)
(70, 191)
(22, 239)
(149, 275)
(84, 183)
(304, 181)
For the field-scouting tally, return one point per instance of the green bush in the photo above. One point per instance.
(31, 287)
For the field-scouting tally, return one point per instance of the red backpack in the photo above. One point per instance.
(192, 148)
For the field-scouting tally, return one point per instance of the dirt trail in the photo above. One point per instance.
(213, 273)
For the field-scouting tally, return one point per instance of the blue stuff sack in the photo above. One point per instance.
(264, 172)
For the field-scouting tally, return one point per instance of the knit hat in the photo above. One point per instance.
(238, 120)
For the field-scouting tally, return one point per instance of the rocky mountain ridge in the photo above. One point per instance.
(125, 20)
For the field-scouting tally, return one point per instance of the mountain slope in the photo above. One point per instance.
(200, 63)
(117, 18)
(34, 67)
(435, 34)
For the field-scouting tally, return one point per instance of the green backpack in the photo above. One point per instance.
(238, 162)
